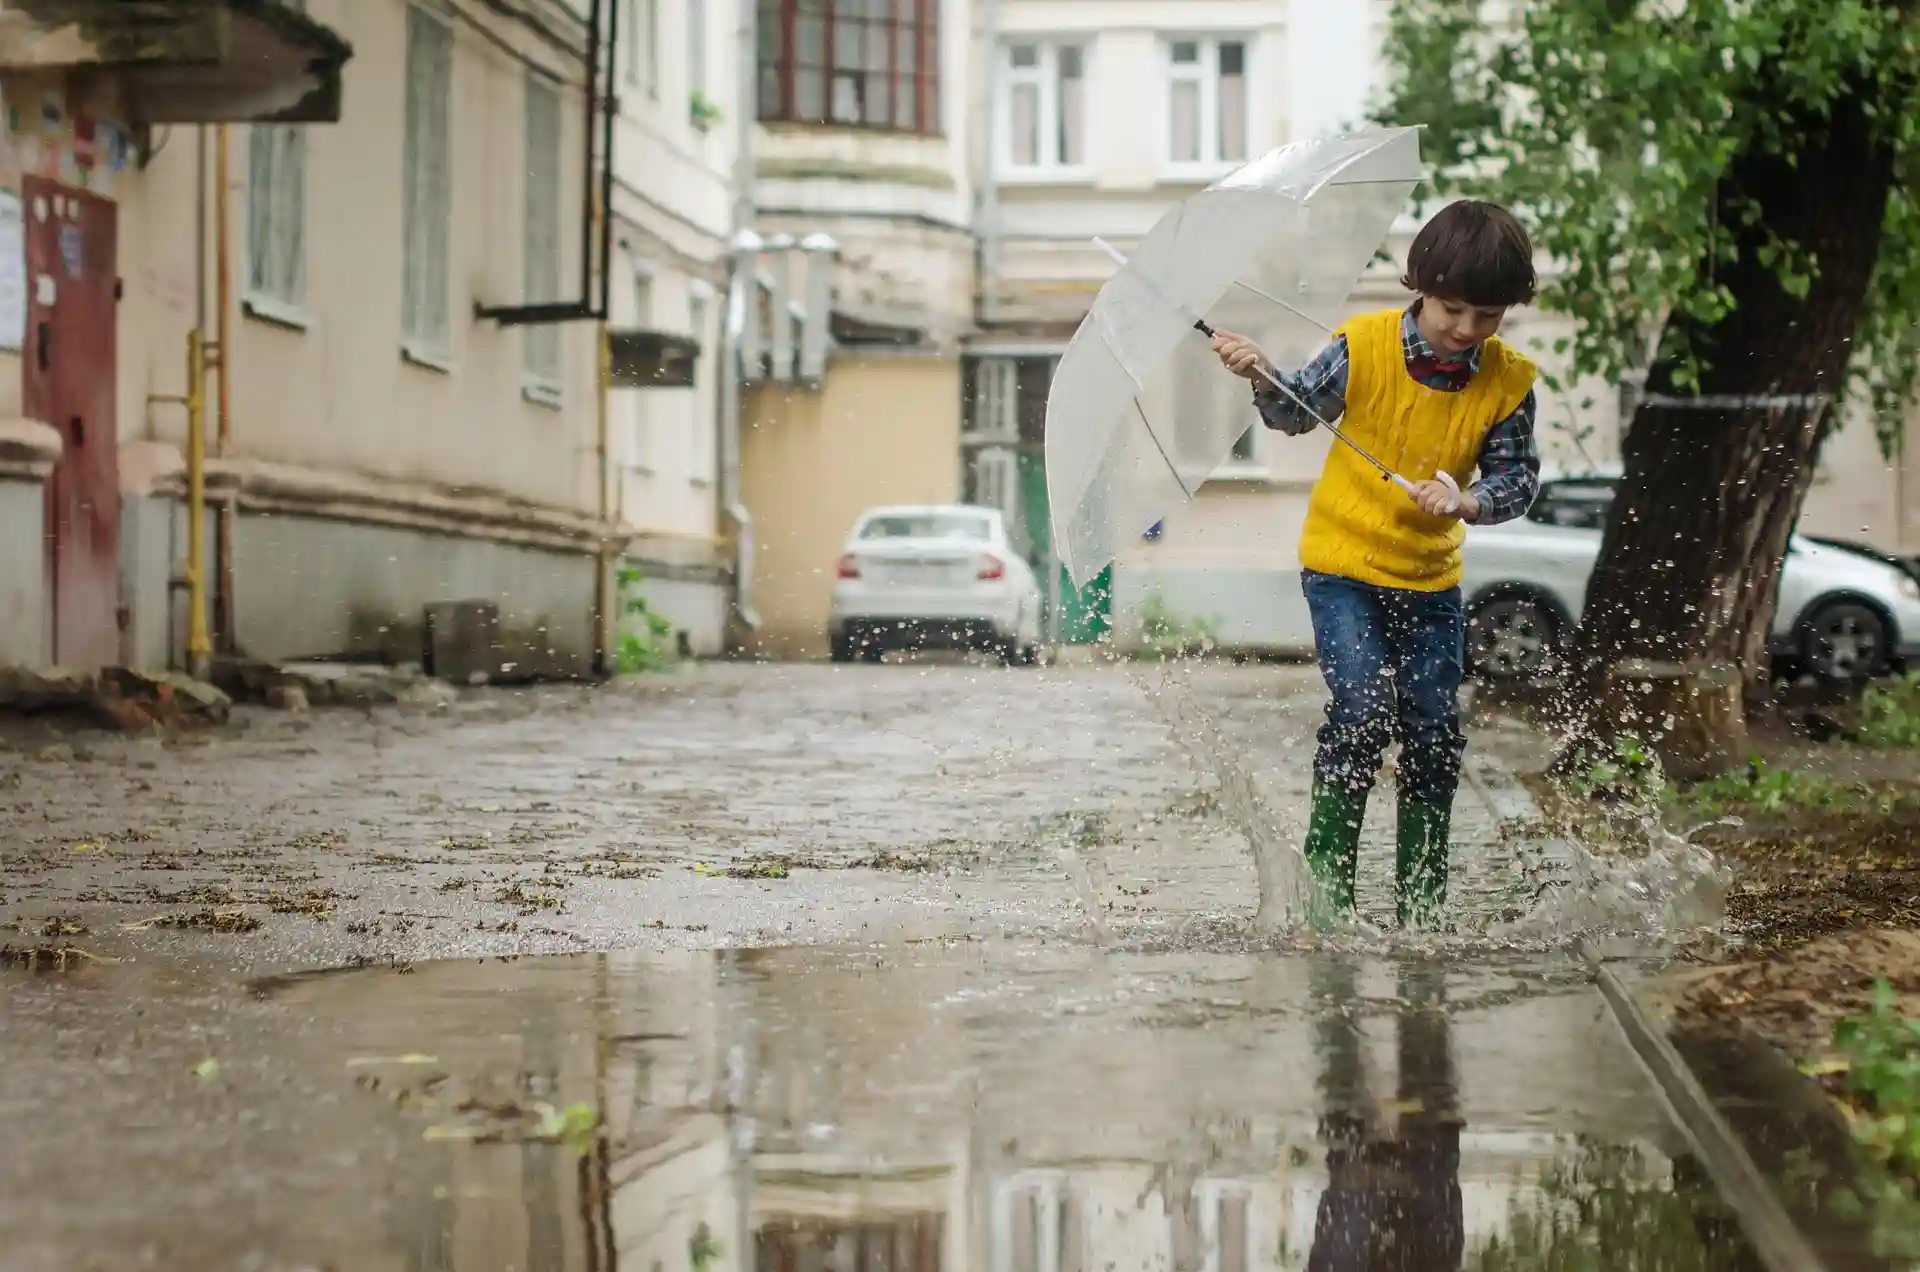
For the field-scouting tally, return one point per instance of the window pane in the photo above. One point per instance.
(771, 105)
(290, 215)
(1070, 62)
(906, 10)
(1233, 118)
(767, 31)
(809, 41)
(906, 112)
(1025, 55)
(879, 39)
(1186, 53)
(903, 56)
(1184, 134)
(1072, 126)
(846, 99)
(260, 156)
(1023, 125)
(879, 100)
(810, 95)
(1233, 58)
(849, 43)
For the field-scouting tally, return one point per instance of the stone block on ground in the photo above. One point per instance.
(365, 685)
(463, 641)
(26, 690)
(128, 698)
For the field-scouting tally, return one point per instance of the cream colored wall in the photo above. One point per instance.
(334, 393)
(885, 429)
(663, 439)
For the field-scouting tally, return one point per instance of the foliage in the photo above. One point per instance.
(1760, 789)
(1890, 713)
(1879, 1064)
(1168, 632)
(703, 112)
(1625, 769)
(1610, 126)
(1605, 1210)
(649, 648)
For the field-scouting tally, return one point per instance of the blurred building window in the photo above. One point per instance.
(1206, 102)
(277, 216)
(1043, 106)
(428, 174)
(541, 349)
(852, 63)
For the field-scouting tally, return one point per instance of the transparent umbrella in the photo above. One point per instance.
(1140, 412)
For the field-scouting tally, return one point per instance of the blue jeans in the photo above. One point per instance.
(1392, 659)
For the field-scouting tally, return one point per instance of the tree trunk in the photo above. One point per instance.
(1714, 481)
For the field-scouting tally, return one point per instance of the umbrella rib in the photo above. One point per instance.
(1168, 459)
(1275, 300)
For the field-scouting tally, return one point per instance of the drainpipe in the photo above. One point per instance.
(987, 199)
(743, 254)
(224, 623)
(604, 620)
(741, 285)
(198, 646)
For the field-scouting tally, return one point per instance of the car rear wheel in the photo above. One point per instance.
(1844, 641)
(1512, 638)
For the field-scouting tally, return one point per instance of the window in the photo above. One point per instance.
(428, 186)
(1207, 102)
(1243, 446)
(277, 217)
(697, 47)
(1044, 112)
(638, 455)
(864, 63)
(1577, 504)
(540, 349)
(643, 45)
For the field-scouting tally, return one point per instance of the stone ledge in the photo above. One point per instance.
(156, 469)
(28, 449)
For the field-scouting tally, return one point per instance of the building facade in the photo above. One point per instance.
(382, 438)
(866, 118)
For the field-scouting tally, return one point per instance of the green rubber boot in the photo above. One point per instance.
(1420, 864)
(1333, 847)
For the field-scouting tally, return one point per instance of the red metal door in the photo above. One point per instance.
(68, 382)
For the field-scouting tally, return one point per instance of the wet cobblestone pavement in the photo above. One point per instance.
(1007, 1013)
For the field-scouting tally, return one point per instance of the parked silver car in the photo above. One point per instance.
(938, 576)
(1845, 613)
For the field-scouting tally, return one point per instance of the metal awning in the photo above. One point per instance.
(651, 359)
(186, 61)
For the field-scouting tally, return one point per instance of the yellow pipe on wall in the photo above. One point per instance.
(199, 648)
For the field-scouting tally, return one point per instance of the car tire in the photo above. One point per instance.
(1029, 655)
(841, 647)
(1512, 637)
(1845, 642)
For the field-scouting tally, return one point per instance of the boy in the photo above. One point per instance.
(1426, 390)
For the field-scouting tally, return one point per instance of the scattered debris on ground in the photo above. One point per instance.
(225, 921)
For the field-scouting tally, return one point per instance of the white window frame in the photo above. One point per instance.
(1206, 74)
(700, 306)
(639, 436)
(541, 350)
(1045, 78)
(277, 223)
(426, 323)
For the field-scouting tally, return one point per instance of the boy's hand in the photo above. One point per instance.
(1436, 499)
(1241, 356)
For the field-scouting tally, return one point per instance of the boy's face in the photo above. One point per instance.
(1453, 326)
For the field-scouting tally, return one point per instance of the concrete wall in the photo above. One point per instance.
(885, 429)
(305, 587)
(25, 603)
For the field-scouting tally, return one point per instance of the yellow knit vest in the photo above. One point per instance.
(1361, 526)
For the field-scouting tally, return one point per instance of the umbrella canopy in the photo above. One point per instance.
(1140, 412)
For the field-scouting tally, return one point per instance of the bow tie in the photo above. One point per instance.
(1425, 366)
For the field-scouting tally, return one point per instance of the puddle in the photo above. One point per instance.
(986, 1107)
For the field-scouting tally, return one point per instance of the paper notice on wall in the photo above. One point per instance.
(13, 274)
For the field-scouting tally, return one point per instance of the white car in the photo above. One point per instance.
(1845, 613)
(933, 577)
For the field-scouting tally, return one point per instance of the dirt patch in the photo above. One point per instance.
(227, 921)
(1796, 998)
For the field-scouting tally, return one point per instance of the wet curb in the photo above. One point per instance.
(1777, 1240)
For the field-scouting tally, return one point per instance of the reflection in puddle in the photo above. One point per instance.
(1000, 1109)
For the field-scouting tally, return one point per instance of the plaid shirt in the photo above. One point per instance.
(1509, 457)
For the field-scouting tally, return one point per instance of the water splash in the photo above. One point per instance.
(1626, 876)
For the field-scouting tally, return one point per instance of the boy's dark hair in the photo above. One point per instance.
(1472, 252)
